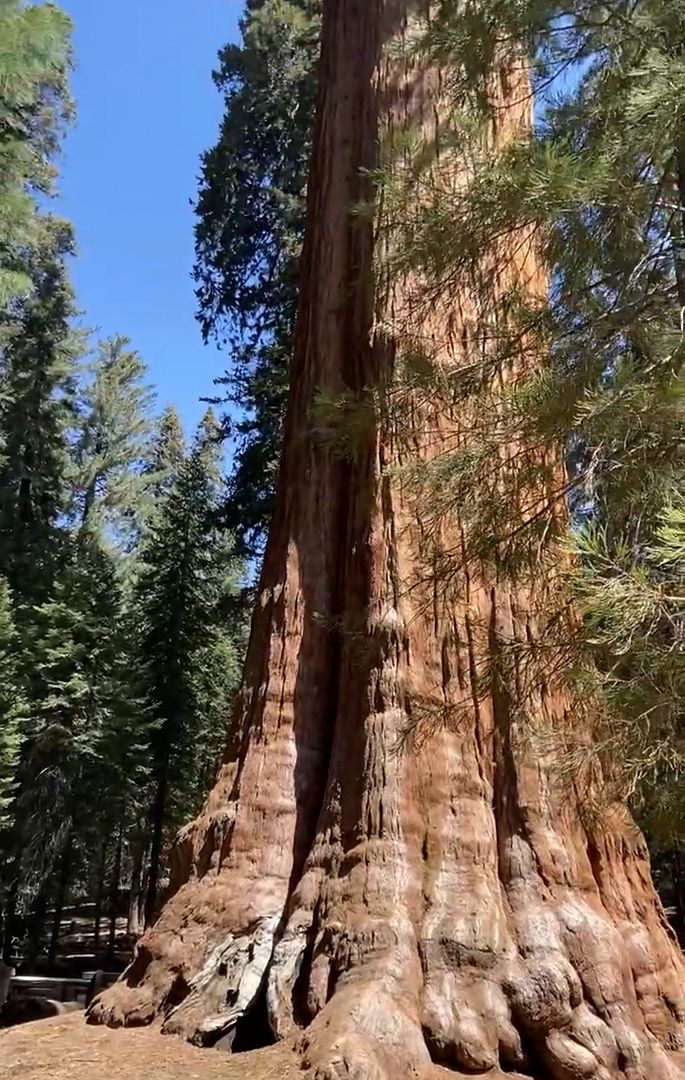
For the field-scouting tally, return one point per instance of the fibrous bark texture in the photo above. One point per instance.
(397, 905)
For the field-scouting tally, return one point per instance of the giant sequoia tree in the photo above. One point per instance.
(402, 901)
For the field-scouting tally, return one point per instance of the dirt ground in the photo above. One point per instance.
(65, 1048)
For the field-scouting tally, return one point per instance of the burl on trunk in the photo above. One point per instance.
(395, 905)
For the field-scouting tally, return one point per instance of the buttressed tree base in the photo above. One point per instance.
(396, 904)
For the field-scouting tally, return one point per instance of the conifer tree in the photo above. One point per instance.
(113, 446)
(167, 454)
(88, 722)
(180, 588)
(37, 346)
(37, 375)
(87, 738)
(165, 459)
(250, 223)
(34, 105)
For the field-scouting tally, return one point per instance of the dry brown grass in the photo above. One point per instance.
(65, 1048)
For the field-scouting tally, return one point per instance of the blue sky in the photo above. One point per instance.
(147, 108)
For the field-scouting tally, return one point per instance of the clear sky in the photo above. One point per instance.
(147, 107)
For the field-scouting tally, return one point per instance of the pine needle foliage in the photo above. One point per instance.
(187, 574)
(167, 454)
(582, 362)
(87, 730)
(39, 352)
(34, 107)
(113, 446)
(250, 225)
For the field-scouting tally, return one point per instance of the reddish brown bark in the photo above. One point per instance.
(396, 906)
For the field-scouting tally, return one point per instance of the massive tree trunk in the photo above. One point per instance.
(396, 904)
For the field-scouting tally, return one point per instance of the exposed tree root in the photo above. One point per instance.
(397, 955)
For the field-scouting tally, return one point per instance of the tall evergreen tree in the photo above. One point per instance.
(167, 454)
(34, 105)
(37, 347)
(87, 735)
(113, 446)
(181, 587)
(250, 212)
(37, 376)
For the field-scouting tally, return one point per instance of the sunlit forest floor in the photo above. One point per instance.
(66, 1048)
